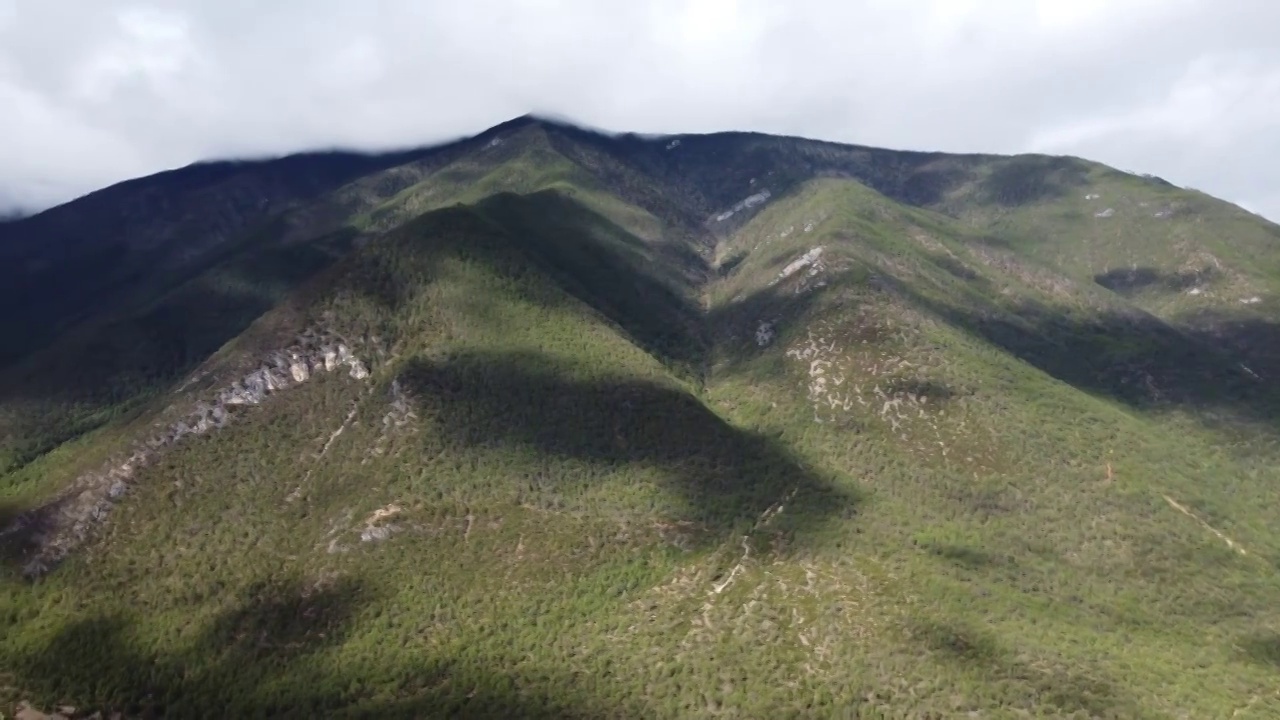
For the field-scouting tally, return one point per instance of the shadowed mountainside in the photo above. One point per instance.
(557, 423)
(234, 664)
(726, 477)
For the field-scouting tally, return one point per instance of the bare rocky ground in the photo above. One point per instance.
(50, 532)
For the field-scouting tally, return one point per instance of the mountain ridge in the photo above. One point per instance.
(741, 424)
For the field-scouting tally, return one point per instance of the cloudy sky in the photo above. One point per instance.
(95, 91)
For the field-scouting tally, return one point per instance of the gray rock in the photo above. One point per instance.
(375, 534)
(764, 334)
(358, 370)
(70, 520)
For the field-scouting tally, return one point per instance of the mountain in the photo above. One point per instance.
(554, 422)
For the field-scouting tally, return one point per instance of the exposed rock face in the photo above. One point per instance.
(399, 420)
(745, 204)
(376, 533)
(290, 367)
(764, 334)
(825, 388)
(804, 261)
(55, 529)
(377, 528)
(811, 260)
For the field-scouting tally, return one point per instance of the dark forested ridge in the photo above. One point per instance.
(551, 422)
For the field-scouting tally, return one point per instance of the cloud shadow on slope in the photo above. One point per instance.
(264, 656)
(100, 370)
(725, 476)
(1263, 649)
(1029, 179)
(101, 365)
(1066, 690)
(1221, 369)
(22, 530)
(624, 277)
(1220, 366)
(550, 248)
(90, 376)
(733, 325)
(1132, 281)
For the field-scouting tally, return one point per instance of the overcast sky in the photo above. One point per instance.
(95, 91)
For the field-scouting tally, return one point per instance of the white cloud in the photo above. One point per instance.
(150, 47)
(1213, 128)
(106, 89)
(51, 151)
(1215, 99)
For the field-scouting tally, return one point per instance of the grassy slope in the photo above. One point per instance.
(584, 527)
(120, 366)
(549, 471)
(1044, 558)
(1204, 272)
(1155, 245)
(127, 352)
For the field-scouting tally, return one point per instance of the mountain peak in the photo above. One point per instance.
(732, 423)
(549, 121)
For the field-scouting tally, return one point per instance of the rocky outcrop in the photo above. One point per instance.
(745, 204)
(399, 420)
(291, 367)
(765, 334)
(377, 528)
(50, 532)
(811, 260)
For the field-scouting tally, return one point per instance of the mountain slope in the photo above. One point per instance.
(53, 394)
(555, 423)
(1007, 479)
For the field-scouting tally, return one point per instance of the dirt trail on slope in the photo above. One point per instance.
(1185, 511)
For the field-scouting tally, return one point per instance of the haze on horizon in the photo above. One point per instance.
(98, 92)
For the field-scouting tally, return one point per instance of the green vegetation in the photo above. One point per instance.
(920, 436)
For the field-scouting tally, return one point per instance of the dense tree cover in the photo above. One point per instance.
(610, 463)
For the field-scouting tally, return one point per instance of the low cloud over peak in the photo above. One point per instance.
(1185, 89)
